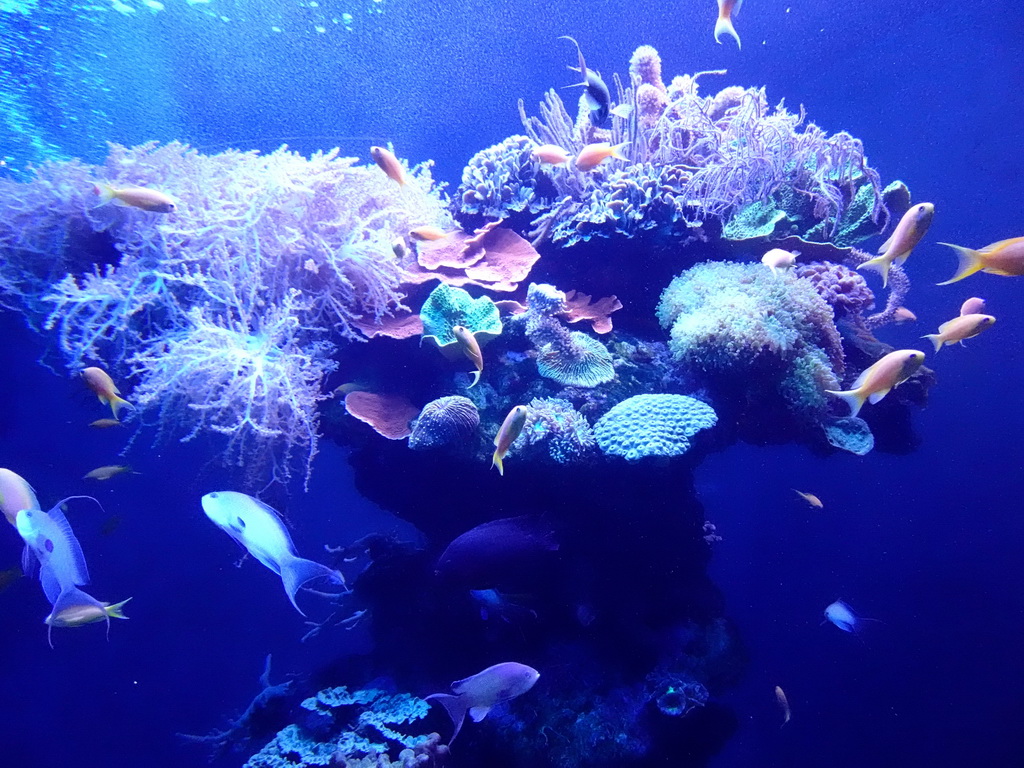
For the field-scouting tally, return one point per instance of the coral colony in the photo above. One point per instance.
(285, 298)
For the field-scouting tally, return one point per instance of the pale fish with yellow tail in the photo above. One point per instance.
(106, 390)
(904, 239)
(427, 234)
(551, 154)
(1004, 258)
(593, 155)
(810, 498)
(878, 380)
(959, 328)
(507, 434)
(387, 162)
(724, 25)
(471, 348)
(80, 614)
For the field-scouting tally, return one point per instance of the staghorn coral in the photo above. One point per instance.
(268, 265)
(652, 425)
(445, 421)
(765, 340)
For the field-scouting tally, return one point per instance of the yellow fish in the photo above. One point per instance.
(876, 382)
(1004, 258)
(135, 197)
(99, 381)
(958, 329)
(388, 163)
(471, 348)
(105, 473)
(905, 237)
(510, 429)
(810, 498)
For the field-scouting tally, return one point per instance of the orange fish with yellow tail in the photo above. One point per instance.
(99, 381)
(507, 434)
(724, 26)
(471, 348)
(1005, 258)
(877, 381)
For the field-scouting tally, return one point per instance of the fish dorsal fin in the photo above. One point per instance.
(80, 573)
(459, 686)
(861, 378)
(478, 713)
(1000, 245)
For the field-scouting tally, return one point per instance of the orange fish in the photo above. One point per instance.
(471, 348)
(904, 315)
(959, 328)
(507, 434)
(427, 233)
(876, 382)
(593, 155)
(134, 197)
(551, 154)
(388, 163)
(99, 381)
(905, 237)
(810, 498)
(1004, 258)
(726, 9)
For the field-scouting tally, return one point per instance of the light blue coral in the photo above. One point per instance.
(652, 425)
(555, 424)
(501, 179)
(448, 306)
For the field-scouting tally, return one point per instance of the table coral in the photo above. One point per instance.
(652, 425)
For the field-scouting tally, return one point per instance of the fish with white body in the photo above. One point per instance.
(478, 694)
(842, 616)
(259, 529)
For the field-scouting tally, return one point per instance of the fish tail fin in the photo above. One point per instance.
(617, 150)
(935, 339)
(496, 462)
(104, 192)
(971, 261)
(297, 571)
(853, 398)
(117, 403)
(724, 27)
(116, 610)
(881, 265)
(476, 379)
(455, 707)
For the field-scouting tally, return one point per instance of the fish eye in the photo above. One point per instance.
(48, 544)
(241, 522)
(213, 495)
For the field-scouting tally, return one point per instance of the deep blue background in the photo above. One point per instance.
(929, 543)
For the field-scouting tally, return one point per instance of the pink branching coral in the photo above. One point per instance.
(227, 311)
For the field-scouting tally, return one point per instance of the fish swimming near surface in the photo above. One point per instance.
(959, 328)
(723, 25)
(15, 495)
(593, 155)
(107, 472)
(810, 498)
(876, 382)
(258, 528)
(904, 239)
(387, 162)
(507, 434)
(99, 381)
(777, 259)
(1004, 258)
(973, 306)
(780, 697)
(471, 348)
(842, 616)
(142, 198)
(480, 693)
(551, 154)
(598, 97)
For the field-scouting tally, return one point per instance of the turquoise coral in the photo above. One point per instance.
(448, 306)
(652, 425)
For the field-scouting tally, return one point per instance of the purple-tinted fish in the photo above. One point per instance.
(498, 552)
(484, 690)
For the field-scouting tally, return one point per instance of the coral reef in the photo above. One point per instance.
(447, 307)
(652, 425)
(555, 430)
(446, 421)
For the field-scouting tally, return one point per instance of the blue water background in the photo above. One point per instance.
(929, 542)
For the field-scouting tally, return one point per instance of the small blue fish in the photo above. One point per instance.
(257, 527)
